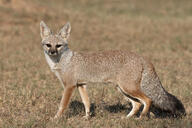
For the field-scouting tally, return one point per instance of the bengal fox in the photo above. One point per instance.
(134, 75)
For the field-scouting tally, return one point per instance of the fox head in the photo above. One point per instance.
(54, 44)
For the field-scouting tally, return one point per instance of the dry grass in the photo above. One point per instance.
(29, 91)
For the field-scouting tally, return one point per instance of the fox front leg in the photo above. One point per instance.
(85, 99)
(65, 100)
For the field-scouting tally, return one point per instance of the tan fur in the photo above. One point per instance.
(135, 109)
(85, 99)
(134, 75)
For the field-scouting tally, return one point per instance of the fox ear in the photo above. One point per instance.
(65, 31)
(44, 30)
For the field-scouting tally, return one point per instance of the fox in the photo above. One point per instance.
(133, 75)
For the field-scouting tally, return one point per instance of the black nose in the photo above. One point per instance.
(52, 52)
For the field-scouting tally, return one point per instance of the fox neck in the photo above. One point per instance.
(65, 57)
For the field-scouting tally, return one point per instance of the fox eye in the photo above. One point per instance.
(58, 45)
(48, 45)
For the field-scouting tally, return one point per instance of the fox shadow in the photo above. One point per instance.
(153, 113)
(77, 108)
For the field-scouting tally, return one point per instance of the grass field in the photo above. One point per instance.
(29, 91)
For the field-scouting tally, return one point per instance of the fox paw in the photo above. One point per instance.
(57, 116)
(87, 117)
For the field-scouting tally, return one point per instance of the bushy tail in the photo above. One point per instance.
(170, 104)
(151, 86)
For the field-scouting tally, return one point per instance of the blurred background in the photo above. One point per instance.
(30, 93)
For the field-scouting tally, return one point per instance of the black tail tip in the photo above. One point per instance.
(179, 110)
(173, 108)
(159, 113)
(176, 107)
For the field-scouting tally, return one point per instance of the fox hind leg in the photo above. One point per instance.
(147, 103)
(135, 103)
(137, 98)
(135, 108)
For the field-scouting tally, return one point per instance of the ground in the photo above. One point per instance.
(29, 91)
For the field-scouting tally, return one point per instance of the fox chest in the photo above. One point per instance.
(53, 67)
